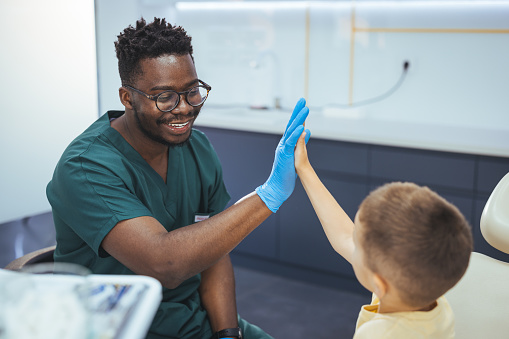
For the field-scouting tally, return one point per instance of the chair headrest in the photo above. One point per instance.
(495, 217)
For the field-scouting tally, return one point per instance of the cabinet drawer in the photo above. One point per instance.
(303, 241)
(423, 167)
(491, 170)
(341, 157)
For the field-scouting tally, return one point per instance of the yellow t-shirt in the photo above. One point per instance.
(437, 323)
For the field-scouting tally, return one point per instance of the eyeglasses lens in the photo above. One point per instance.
(195, 97)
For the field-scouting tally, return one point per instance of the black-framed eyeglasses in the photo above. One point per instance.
(168, 100)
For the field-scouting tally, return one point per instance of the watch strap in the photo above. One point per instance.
(229, 332)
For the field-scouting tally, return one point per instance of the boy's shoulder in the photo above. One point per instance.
(437, 323)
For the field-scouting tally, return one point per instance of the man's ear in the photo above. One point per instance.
(381, 286)
(125, 97)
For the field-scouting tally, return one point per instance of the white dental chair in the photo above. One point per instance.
(480, 300)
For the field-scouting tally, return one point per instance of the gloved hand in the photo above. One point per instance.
(281, 182)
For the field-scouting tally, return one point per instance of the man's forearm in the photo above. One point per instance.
(144, 246)
(215, 236)
(217, 293)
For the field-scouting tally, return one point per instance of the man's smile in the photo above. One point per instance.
(179, 127)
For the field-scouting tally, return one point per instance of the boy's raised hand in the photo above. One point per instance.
(281, 182)
(301, 153)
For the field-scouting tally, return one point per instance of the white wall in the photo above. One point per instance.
(337, 53)
(48, 92)
(112, 17)
(458, 52)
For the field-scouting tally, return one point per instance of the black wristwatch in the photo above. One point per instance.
(228, 332)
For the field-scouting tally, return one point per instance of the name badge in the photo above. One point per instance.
(201, 217)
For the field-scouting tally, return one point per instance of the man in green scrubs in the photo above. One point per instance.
(141, 192)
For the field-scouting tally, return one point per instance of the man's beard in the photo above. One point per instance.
(158, 138)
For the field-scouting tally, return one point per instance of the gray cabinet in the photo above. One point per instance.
(303, 241)
(490, 171)
(292, 242)
(437, 169)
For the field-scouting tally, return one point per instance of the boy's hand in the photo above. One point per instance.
(281, 182)
(301, 153)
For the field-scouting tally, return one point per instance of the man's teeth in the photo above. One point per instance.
(178, 125)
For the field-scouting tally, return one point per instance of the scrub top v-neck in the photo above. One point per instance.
(162, 198)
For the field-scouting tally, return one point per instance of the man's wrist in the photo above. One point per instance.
(235, 332)
(265, 196)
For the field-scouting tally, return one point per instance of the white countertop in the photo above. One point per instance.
(347, 126)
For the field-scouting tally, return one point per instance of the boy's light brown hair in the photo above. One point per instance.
(415, 239)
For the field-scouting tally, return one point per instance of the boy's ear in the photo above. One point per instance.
(381, 286)
(125, 97)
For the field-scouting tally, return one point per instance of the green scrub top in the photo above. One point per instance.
(101, 180)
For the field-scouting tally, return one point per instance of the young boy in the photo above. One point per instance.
(407, 245)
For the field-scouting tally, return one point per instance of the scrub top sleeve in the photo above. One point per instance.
(92, 199)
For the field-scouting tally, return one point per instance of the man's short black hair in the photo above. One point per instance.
(148, 41)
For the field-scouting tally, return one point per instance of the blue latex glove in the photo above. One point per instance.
(281, 182)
